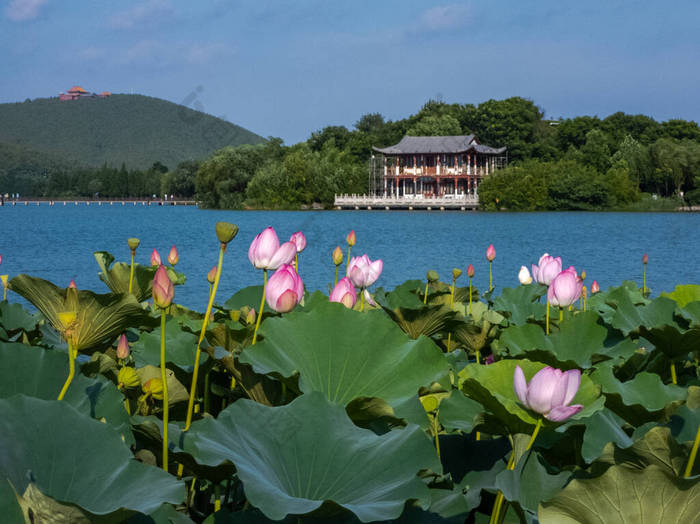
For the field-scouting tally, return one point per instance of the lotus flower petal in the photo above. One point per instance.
(560, 413)
(520, 385)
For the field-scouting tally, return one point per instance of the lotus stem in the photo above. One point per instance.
(4, 292)
(693, 454)
(425, 295)
(362, 300)
(195, 371)
(131, 272)
(561, 314)
(217, 498)
(296, 262)
(674, 379)
(478, 354)
(206, 391)
(470, 295)
(496, 515)
(164, 379)
(644, 280)
(335, 282)
(436, 430)
(127, 407)
(71, 371)
(347, 262)
(210, 287)
(547, 319)
(260, 311)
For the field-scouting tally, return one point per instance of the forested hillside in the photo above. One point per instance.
(132, 130)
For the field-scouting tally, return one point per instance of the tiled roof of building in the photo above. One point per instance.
(438, 144)
(77, 89)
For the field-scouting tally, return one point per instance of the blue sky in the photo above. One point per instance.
(287, 68)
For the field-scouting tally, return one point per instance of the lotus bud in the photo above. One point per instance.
(155, 258)
(344, 292)
(72, 285)
(265, 251)
(173, 256)
(163, 289)
(363, 272)
(549, 393)
(250, 317)
(456, 273)
(284, 290)
(299, 240)
(490, 253)
(225, 232)
(582, 276)
(351, 239)
(154, 388)
(595, 288)
(123, 347)
(211, 276)
(645, 259)
(133, 244)
(127, 378)
(235, 314)
(524, 276)
(337, 256)
(432, 276)
(470, 271)
(0, 259)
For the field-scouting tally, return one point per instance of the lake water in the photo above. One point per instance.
(56, 243)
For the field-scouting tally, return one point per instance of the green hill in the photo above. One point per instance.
(134, 129)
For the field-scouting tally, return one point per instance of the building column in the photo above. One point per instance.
(437, 164)
(469, 163)
(385, 184)
(397, 166)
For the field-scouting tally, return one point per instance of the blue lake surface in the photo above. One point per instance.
(57, 243)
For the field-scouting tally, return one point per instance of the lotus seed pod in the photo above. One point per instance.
(432, 276)
(67, 318)
(154, 388)
(133, 243)
(127, 378)
(456, 273)
(225, 232)
(235, 315)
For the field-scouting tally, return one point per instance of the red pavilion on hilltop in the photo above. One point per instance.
(77, 92)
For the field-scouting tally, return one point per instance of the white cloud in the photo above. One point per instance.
(22, 10)
(445, 17)
(143, 13)
(202, 53)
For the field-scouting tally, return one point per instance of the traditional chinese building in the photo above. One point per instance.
(77, 92)
(433, 166)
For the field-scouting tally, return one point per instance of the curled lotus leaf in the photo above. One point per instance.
(292, 459)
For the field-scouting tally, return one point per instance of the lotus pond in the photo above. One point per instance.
(430, 402)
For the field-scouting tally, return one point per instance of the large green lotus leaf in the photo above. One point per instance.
(100, 318)
(404, 295)
(684, 294)
(684, 423)
(117, 277)
(292, 459)
(606, 302)
(41, 373)
(427, 320)
(412, 515)
(691, 312)
(601, 429)
(248, 296)
(14, 317)
(671, 341)
(520, 304)
(636, 398)
(180, 347)
(492, 386)
(460, 412)
(530, 483)
(625, 495)
(641, 484)
(346, 355)
(629, 317)
(75, 459)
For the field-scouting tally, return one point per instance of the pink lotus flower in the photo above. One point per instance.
(123, 347)
(470, 271)
(163, 289)
(299, 240)
(155, 258)
(549, 393)
(211, 276)
(524, 276)
(490, 253)
(547, 268)
(173, 256)
(565, 289)
(595, 287)
(351, 239)
(363, 272)
(71, 284)
(265, 251)
(284, 290)
(344, 292)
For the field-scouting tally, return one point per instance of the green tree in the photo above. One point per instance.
(433, 125)
(595, 151)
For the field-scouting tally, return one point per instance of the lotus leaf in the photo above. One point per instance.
(346, 355)
(684, 294)
(519, 304)
(100, 318)
(292, 459)
(14, 317)
(180, 347)
(63, 452)
(492, 386)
